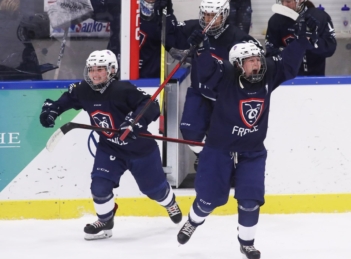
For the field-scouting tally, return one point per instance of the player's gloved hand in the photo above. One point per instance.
(200, 40)
(49, 113)
(196, 38)
(302, 30)
(312, 29)
(162, 4)
(132, 135)
(311, 22)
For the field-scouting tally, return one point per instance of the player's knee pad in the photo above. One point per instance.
(101, 189)
(248, 211)
(161, 194)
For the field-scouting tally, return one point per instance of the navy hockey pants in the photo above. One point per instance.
(216, 170)
(147, 170)
(196, 115)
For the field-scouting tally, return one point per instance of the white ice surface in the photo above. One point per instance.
(294, 236)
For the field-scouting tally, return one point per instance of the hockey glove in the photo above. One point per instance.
(302, 30)
(132, 135)
(312, 29)
(49, 113)
(200, 40)
(162, 4)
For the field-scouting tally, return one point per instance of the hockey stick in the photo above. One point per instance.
(163, 71)
(63, 130)
(286, 11)
(153, 97)
(62, 50)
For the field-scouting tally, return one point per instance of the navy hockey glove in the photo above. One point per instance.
(200, 40)
(49, 113)
(301, 30)
(311, 22)
(162, 4)
(132, 135)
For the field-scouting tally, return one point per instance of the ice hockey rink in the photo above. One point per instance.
(290, 236)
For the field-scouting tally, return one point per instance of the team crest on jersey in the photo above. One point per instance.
(251, 110)
(104, 120)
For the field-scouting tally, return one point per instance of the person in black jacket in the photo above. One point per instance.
(110, 103)
(280, 33)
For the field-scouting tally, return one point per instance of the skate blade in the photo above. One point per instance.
(101, 235)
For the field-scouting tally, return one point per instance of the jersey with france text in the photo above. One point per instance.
(280, 33)
(239, 120)
(149, 44)
(108, 110)
(220, 45)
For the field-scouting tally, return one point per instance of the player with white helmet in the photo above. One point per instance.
(254, 67)
(222, 36)
(234, 152)
(100, 69)
(280, 34)
(208, 9)
(111, 103)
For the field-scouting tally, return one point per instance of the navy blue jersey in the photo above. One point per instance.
(108, 110)
(239, 119)
(220, 44)
(280, 33)
(150, 46)
(110, 11)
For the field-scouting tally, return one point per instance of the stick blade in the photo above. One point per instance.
(286, 11)
(54, 139)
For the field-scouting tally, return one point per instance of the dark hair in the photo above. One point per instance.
(309, 4)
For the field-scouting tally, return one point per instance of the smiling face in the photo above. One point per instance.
(98, 74)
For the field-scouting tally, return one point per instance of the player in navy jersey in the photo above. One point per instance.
(240, 14)
(111, 104)
(280, 33)
(234, 148)
(222, 36)
(150, 35)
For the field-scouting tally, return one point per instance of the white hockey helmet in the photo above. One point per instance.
(213, 6)
(147, 9)
(239, 52)
(299, 4)
(101, 58)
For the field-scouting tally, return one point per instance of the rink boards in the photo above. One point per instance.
(307, 168)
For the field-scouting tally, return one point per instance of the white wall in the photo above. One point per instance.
(189, 9)
(308, 142)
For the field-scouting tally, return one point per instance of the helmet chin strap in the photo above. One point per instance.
(241, 84)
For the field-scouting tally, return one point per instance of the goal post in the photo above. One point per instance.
(130, 29)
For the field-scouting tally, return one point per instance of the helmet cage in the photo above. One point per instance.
(242, 51)
(212, 7)
(300, 6)
(101, 58)
(147, 10)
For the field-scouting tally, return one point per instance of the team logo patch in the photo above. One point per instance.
(250, 111)
(104, 120)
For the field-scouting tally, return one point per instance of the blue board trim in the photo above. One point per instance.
(330, 80)
(180, 75)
